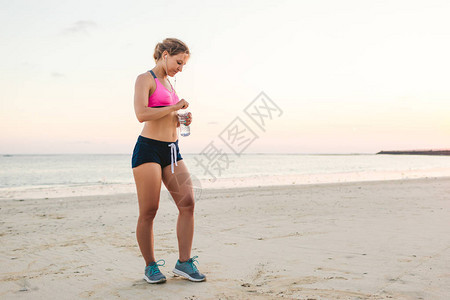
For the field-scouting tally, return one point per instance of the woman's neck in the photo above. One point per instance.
(160, 72)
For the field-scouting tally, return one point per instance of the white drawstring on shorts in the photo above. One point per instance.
(173, 156)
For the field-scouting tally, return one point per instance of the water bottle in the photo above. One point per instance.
(184, 130)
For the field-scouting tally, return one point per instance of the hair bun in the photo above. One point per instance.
(172, 45)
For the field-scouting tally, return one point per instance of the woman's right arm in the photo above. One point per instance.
(143, 112)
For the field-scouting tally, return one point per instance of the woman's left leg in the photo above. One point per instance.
(179, 184)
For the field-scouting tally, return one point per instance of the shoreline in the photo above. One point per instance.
(63, 191)
(246, 188)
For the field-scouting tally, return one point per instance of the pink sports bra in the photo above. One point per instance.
(162, 96)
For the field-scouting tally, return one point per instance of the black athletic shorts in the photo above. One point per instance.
(150, 150)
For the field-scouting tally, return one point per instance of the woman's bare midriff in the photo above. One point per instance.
(163, 129)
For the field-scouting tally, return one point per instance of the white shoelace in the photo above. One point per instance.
(173, 156)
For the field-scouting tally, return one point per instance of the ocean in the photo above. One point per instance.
(44, 176)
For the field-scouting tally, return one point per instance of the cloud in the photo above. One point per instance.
(82, 27)
(58, 75)
(27, 64)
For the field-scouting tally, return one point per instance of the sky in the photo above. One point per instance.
(348, 76)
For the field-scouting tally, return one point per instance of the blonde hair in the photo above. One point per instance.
(172, 45)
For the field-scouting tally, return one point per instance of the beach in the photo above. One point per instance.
(351, 240)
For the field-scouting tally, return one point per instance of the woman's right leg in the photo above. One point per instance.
(148, 186)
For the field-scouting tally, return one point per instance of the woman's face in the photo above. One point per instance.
(175, 63)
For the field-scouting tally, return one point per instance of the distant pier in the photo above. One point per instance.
(417, 152)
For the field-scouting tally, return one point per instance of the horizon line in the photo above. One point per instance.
(191, 153)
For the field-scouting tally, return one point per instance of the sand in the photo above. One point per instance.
(361, 240)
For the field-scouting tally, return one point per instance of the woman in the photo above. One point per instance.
(156, 158)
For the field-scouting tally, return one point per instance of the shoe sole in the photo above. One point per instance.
(154, 281)
(177, 272)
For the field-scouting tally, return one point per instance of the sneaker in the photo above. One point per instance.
(188, 270)
(153, 274)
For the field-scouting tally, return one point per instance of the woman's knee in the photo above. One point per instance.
(148, 214)
(186, 204)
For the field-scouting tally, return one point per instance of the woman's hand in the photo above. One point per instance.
(188, 119)
(182, 104)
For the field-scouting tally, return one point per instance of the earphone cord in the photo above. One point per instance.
(173, 89)
(179, 128)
